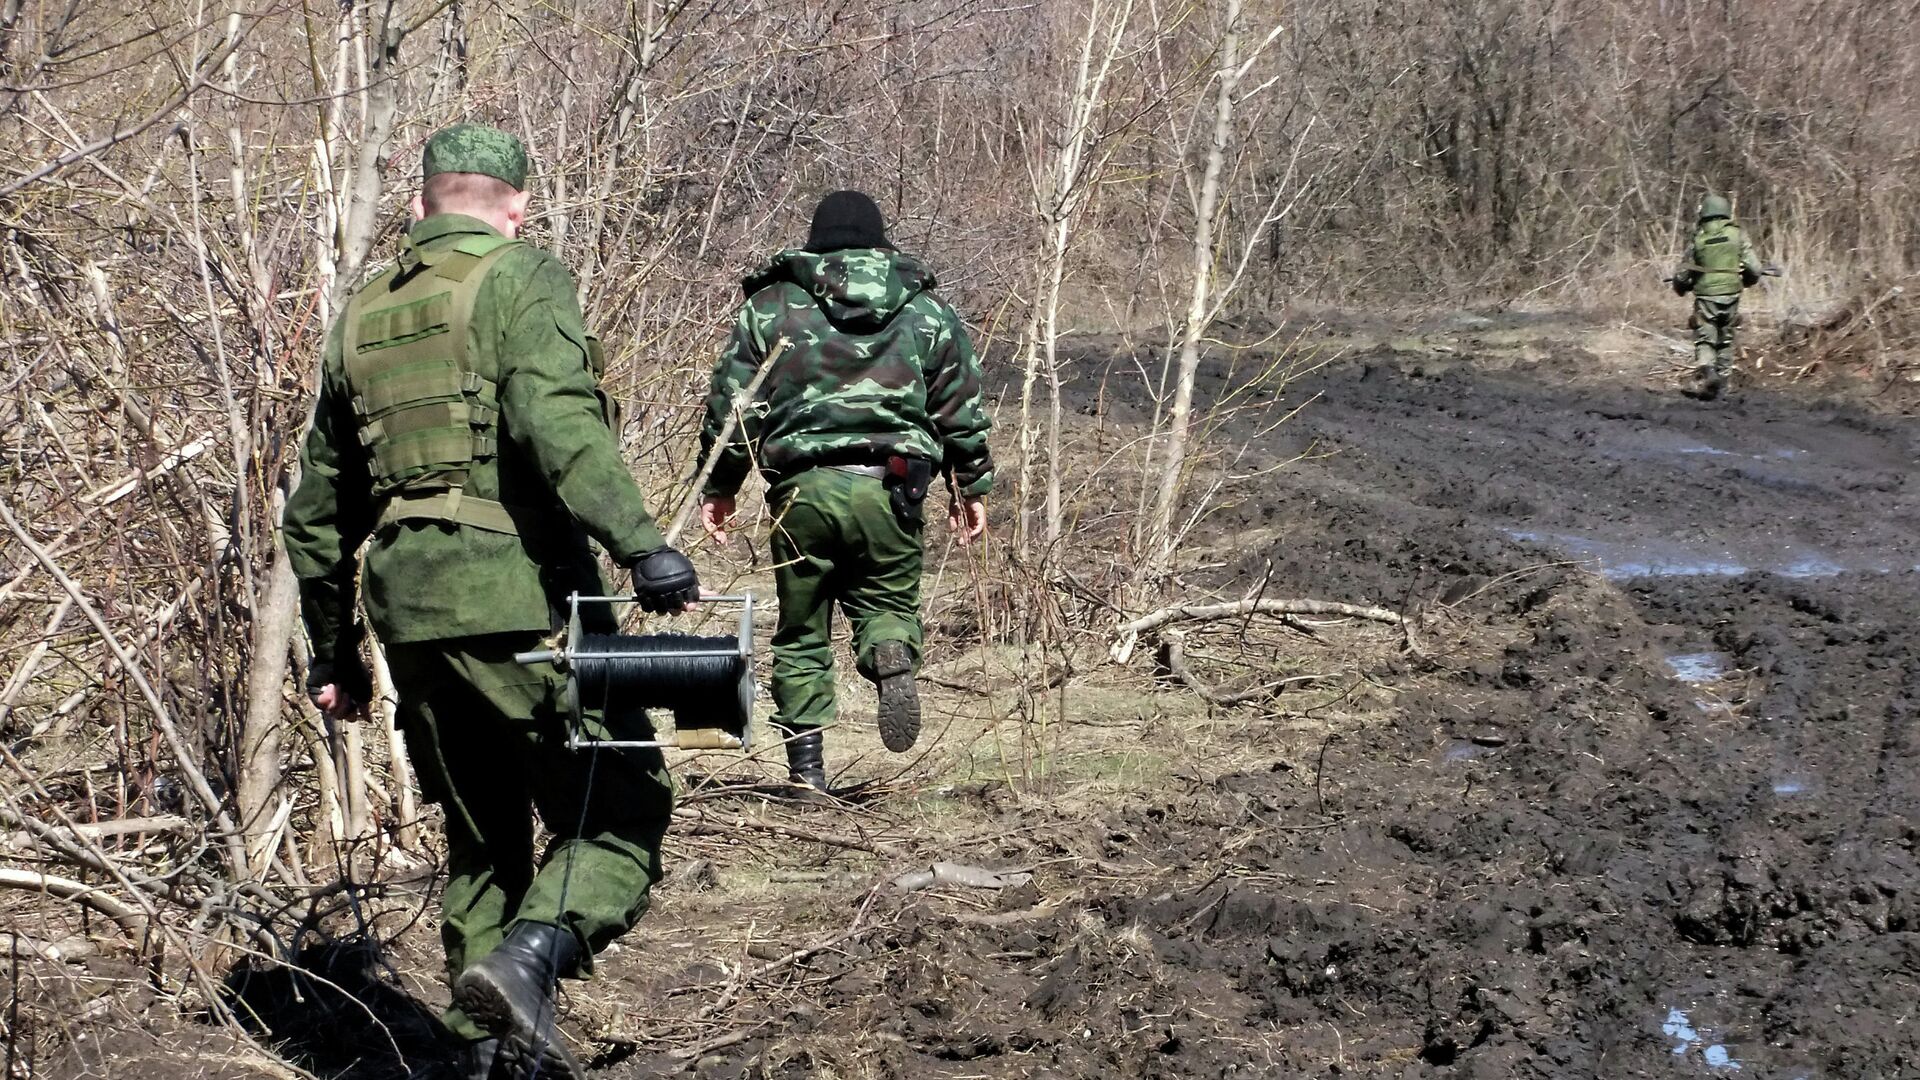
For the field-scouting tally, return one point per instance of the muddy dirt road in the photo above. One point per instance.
(1669, 829)
(1643, 805)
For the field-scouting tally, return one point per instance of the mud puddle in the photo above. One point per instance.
(1619, 560)
(1697, 667)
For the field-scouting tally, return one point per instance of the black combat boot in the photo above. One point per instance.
(899, 699)
(509, 992)
(806, 764)
(476, 1059)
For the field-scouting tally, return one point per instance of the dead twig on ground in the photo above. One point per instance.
(1174, 656)
(1129, 633)
(701, 823)
(92, 896)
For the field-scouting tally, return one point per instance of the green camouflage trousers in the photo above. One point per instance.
(836, 541)
(1713, 322)
(487, 738)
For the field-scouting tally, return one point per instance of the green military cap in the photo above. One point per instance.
(476, 148)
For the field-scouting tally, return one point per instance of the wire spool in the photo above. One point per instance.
(706, 682)
(698, 678)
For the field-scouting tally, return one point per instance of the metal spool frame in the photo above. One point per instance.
(725, 736)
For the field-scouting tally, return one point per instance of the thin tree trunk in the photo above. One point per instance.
(1162, 537)
(1056, 276)
(1069, 185)
(1023, 510)
(406, 807)
(350, 771)
(275, 615)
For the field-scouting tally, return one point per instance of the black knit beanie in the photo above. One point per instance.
(846, 219)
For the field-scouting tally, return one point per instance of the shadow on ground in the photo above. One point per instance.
(337, 1010)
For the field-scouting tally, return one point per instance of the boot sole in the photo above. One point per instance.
(524, 1053)
(899, 712)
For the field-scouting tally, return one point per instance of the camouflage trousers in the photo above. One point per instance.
(836, 541)
(1714, 321)
(487, 739)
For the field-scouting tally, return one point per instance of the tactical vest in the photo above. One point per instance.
(425, 416)
(1716, 259)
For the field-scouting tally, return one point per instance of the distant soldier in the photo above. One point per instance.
(1717, 264)
(874, 388)
(460, 426)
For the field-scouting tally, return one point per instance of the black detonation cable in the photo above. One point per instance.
(687, 674)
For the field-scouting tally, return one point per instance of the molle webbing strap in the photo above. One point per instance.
(452, 506)
(425, 415)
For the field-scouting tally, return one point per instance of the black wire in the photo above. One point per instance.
(560, 922)
(664, 678)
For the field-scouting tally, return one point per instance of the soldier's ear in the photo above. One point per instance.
(418, 205)
(517, 211)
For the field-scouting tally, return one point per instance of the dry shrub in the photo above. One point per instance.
(1874, 332)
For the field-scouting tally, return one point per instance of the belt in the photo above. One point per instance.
(878, 472)
(453, 506)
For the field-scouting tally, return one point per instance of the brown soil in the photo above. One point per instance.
(1639, 802)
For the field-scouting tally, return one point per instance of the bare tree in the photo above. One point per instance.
(1207, 293)
(1077, 144)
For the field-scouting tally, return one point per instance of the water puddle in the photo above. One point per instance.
(1689, 1039)
(1621, 561)
(1626, 560)
(1648, 445)
(1678, 568)
(1813, 566)
(1791, 784)
(1699, 667)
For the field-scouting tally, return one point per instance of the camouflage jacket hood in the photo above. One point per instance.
(865, 362)
(859, 289)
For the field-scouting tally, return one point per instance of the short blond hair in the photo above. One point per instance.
(453, 192)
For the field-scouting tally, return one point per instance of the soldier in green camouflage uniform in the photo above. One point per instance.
(460, 428)
(874, 387)
(1716, 266)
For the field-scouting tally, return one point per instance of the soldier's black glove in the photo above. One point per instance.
(664, 581)
(1682, 284)
(346, 672)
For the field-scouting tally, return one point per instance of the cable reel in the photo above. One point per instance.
(706, 682)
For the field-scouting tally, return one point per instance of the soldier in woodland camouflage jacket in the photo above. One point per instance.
(873, 387)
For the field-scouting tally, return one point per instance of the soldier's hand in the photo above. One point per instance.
(335, 702)
(715, 512)
(969, 518)
(341, 688)
(664, 582)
